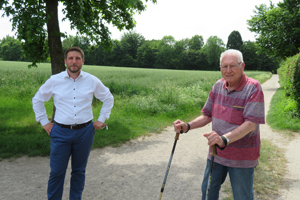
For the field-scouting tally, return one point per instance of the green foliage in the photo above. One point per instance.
(196, 60)
(257, 60)
(290, 78)
(196, 42)
(234, 40)
(146, 54)
(130, 42)
(146, 101)
(11, 49)
(28, 19)
(212, 49)
(151, 54)
(90, 18)
(115, 57)
(165, 53)
(249, 50)
(278, 28)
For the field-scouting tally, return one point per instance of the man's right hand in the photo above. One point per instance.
(48, 127)
(180, 126)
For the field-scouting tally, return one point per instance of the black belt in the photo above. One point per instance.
(74, 127)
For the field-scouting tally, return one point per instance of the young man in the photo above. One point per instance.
(235, 107)
(72, 134)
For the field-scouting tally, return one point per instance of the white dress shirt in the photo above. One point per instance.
(72, 99)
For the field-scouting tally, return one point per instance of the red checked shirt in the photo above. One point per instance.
(229, 110)
(72, 98)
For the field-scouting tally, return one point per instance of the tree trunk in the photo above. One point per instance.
(54, 41)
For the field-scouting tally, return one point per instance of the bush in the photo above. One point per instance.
(290, 78)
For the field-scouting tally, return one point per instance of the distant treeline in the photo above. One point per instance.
(134, 51)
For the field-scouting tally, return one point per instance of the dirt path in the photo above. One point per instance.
(135, 171)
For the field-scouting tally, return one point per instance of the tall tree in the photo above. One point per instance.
(179, 54)
(131, 42)
(114, 57)
(234, 40)
(68, 42)
(196, 60)
(10, 49)
(196, 42)
(146, 54)
(90, 18)
(212, 49)
(278, 28)
(166, 48)
(250, 52)
(96, 55)
(255, 59)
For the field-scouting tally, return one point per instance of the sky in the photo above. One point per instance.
(181, 19)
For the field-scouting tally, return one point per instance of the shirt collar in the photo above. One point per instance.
(240, 85)
(66, 75)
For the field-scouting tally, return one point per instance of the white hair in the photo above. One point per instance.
(235, 52)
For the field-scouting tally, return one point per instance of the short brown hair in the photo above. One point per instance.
(74, 49)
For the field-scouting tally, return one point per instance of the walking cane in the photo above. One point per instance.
(213, 153)
(168, 168)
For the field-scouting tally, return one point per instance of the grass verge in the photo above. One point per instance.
(282, 115)
(268, 178)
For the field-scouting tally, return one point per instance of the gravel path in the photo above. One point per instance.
(135, 171)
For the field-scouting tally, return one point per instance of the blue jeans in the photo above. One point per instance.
(241, 181)
(64, 143)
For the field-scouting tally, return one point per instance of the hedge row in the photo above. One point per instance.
(290, 78)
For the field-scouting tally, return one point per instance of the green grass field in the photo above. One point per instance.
(146, 101)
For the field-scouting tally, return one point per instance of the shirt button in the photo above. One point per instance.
(74, 97)
(73, 88)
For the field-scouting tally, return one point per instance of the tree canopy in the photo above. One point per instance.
(10, 49)
(166, 53)
(234, 40)
(213, 48)
(90, 18)
(196, 42)
(278, 28)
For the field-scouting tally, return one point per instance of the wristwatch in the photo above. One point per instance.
(227, 139)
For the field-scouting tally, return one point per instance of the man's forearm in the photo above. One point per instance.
(241, 131)
(40, 111)
(108, 103)
(200, 121)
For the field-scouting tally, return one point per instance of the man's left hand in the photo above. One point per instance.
(98, 125)
(214, 138)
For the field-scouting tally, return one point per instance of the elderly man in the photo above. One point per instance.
(235, 107)
(72, 134)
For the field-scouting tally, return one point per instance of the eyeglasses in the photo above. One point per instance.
(232, 67)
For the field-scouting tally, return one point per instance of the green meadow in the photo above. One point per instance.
(146, 101)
